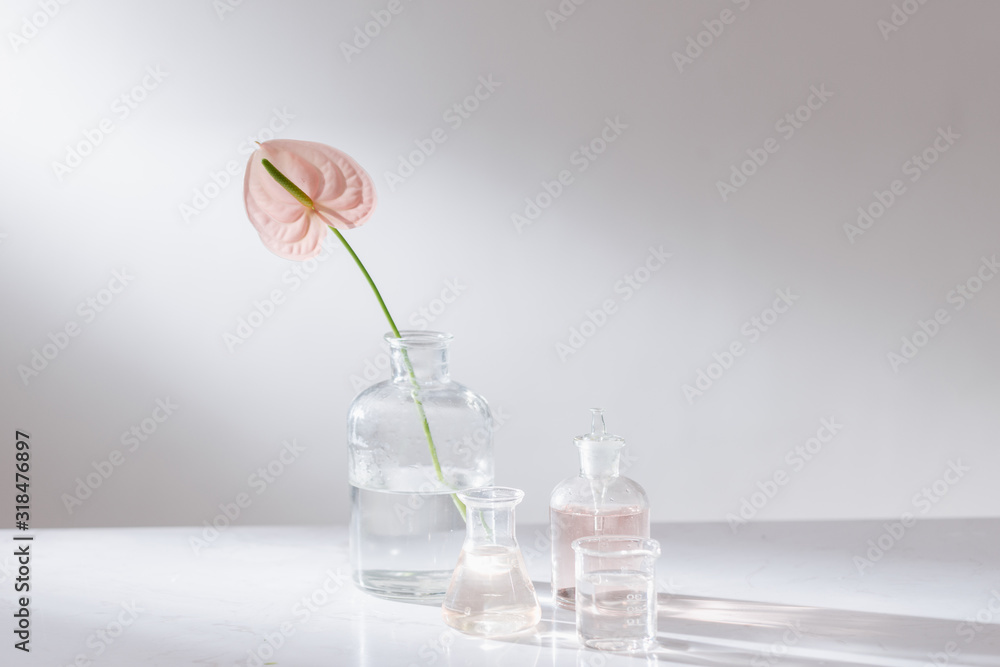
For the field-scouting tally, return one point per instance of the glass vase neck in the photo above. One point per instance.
(426, 351)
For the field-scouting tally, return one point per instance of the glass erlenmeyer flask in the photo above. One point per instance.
(490, 591)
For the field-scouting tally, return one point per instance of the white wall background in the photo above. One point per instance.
(64, 236)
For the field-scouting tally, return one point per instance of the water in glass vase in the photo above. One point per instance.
(571, 523)
(404, 545)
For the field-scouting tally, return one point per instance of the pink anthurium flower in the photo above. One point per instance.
(339, 192)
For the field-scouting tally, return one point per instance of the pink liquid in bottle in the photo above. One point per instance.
(569, 524)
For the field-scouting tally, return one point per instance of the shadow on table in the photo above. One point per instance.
(713, 632)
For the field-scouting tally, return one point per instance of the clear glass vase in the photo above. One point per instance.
(407, 522)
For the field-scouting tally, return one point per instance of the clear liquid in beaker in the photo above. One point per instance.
(616, 609)
(491, 593)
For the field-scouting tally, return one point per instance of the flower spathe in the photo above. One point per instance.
(342, 194)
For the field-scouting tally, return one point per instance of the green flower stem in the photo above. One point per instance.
(306, 201)
(415, 392)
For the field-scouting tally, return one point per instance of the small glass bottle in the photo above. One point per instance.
(597, 502)
(490, 592)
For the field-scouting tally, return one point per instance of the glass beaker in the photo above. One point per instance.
(616, 591)
(490, 592)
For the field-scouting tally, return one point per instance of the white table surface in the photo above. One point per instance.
(772, 594)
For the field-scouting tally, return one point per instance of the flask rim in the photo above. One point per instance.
(491, 496)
